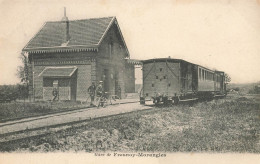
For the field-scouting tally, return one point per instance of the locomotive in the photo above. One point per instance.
(167, 80)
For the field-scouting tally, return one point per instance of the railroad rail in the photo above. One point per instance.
(26, 133)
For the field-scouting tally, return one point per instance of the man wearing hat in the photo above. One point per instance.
(99, 92)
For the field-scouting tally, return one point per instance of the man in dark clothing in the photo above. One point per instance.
(91, 92)
(55, 94)
(99, 92)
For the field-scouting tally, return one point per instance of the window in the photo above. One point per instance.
(164, 77)
(199, 73)
(203, 74)
(161, 69)
(169, 84)
(48, 82)
(152, 85)
(64, 82)
(146, 94)
(156, 77)
(110, 47)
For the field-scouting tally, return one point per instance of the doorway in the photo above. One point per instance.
(106, 80)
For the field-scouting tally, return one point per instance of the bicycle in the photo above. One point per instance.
(102, 100)
(105, 98)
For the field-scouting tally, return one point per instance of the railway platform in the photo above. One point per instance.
(123, 106)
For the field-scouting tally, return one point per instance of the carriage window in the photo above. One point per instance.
(152, 85)
(156, 77)
(199, 73)
(169, 84)
(164, 77)
(203, 74)
(161, 69)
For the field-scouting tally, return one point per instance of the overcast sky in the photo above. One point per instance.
(220, 34)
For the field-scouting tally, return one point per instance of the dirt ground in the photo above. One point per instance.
(224, 125)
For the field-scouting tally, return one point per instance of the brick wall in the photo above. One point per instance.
(84, 77)
(30, 82)
(64, 93)
(38, 82)
(111, 56)
(83, 81)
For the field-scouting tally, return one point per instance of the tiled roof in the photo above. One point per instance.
(58, 71)
(88, 32)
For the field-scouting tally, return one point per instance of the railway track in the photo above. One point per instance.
(31, 133)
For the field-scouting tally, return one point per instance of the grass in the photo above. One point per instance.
(17, 110)
(224, 125)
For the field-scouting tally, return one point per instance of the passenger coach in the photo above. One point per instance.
(174, 80)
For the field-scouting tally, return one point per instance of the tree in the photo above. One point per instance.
(23, 70)
(23, 74)
(227, 78)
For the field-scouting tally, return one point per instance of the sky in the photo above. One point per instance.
(218, 34)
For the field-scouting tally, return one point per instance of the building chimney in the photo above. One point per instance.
(65, 27)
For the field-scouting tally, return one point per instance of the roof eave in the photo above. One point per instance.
(106, 31)
(77, 48)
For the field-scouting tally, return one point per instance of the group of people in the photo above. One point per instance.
(96, 91)
(93, 91)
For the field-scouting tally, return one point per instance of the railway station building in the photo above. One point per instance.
(71, 54)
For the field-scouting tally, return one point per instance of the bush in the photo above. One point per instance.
(12, 92)
(8, 93)
(255, 90)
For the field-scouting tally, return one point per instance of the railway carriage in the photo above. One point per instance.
(170, 80)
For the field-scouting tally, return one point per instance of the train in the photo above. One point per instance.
(168, 80)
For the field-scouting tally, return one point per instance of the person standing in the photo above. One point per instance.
(99, 92)
(91, 92)
(54, 94)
